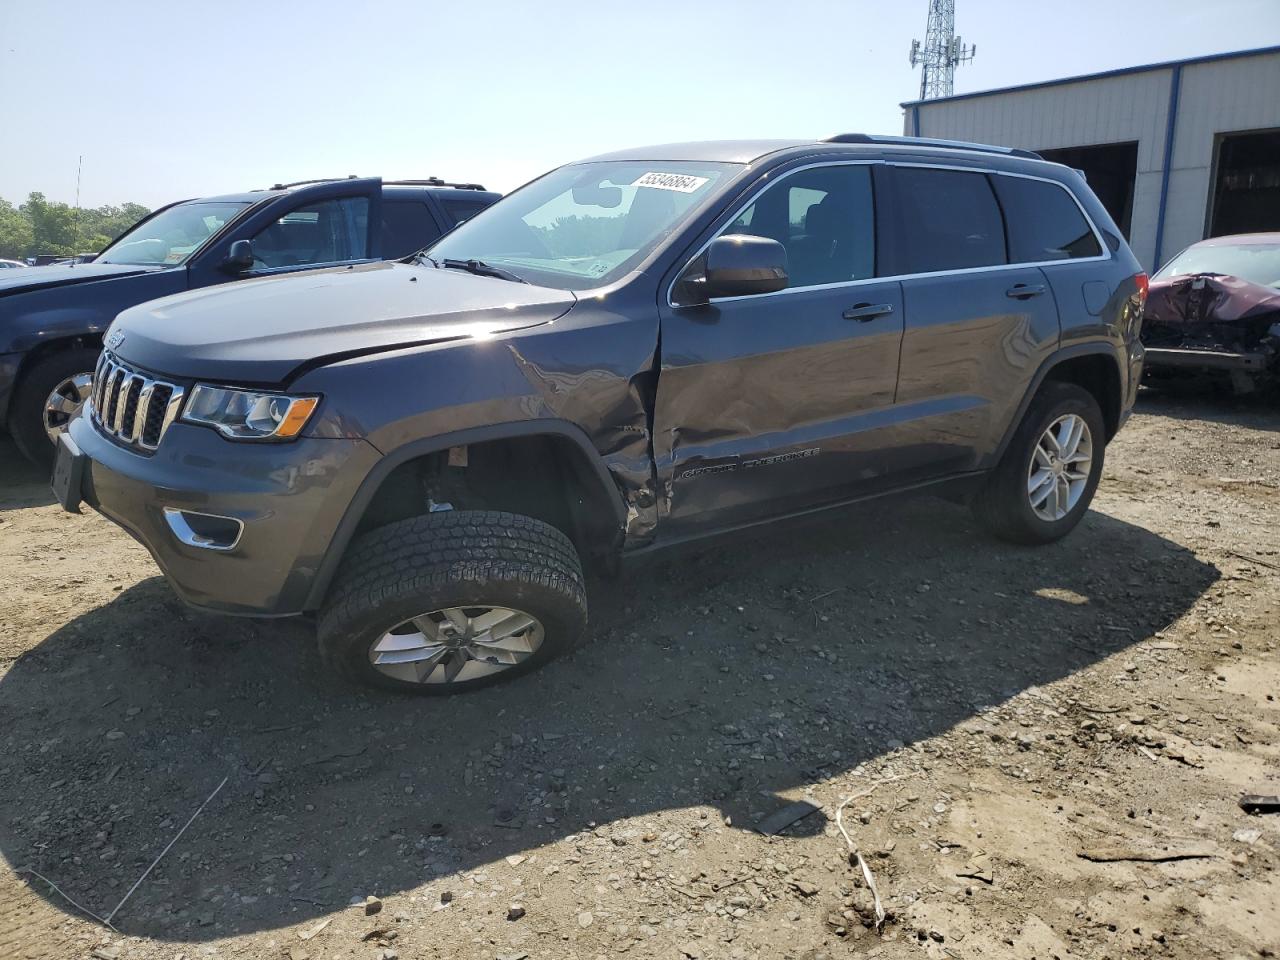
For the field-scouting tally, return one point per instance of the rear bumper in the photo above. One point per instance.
(1206, 359)
(287, 497)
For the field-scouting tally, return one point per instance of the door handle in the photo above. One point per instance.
(863, 312)
(1024, 291)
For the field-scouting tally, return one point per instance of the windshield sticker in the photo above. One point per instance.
(679, 182)
(178, 254)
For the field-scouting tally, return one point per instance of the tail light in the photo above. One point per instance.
(1144, 284)
(1136, 308)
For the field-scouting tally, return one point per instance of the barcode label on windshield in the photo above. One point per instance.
(679, 182)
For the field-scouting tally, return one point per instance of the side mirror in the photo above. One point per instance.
(739, 265)
(239, 257)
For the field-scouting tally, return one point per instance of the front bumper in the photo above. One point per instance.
(288, 496)
(1206, 359)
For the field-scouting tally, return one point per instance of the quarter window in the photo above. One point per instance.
(824, 217)
(1043, 221)
(949, 220)
(330, 231)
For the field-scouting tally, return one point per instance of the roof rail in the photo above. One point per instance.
(931, 142)
(307, 183)
(434, 182)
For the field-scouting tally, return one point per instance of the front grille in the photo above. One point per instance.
(131, 406)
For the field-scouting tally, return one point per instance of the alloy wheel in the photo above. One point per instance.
(64, 402)
(1060, 467)
(456, 644)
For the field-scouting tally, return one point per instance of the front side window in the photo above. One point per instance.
(949, 220)
(1043, 221)
(585, 225)
(824, 217)
(329, 231)
(171, 236)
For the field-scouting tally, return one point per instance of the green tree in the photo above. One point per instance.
(40, 226)
(16, 238)
(52, 224)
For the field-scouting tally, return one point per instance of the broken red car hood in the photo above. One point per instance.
(1187, 301)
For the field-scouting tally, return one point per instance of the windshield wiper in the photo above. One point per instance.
(482, 269)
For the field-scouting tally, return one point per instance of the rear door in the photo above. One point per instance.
(772, 403)
(977, 326)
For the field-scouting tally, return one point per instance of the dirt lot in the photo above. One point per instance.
(1009, 710)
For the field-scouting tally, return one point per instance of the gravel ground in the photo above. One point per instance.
(1046, 747)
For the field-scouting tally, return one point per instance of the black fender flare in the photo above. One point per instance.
(1105, 348)
(369, 486)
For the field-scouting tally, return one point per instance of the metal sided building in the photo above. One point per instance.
(1177, 151)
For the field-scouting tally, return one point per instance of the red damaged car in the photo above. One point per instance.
(1215, 308)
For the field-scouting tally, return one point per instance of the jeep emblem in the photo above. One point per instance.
(115, 338)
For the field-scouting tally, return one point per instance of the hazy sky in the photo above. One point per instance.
(170, 100)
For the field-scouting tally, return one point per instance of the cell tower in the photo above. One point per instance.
(940, 52)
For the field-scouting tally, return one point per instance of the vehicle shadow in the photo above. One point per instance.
(22, 483)
(722, 678)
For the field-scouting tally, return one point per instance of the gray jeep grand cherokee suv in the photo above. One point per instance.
(628, 353)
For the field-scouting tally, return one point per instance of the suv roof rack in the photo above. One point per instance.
(931, 142)
(434, 182)
(307, 183)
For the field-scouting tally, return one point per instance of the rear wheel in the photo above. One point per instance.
(48, 396)
(1047, 476)
(453, 601)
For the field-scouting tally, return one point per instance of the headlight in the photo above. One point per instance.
(249, 414)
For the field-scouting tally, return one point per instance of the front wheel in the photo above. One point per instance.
(1047, 477)
(48, 396)
(449, 602)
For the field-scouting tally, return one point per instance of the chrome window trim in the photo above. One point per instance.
(737, 212)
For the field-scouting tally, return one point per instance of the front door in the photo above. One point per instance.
(321, 225)
(776, 402)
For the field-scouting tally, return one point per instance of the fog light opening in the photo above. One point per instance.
(205, 530)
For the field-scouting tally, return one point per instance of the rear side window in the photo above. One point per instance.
(1043, 221)
(948, 220)
(459, 210)
(407, 227)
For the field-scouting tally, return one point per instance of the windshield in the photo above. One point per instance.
(584, 225)
(171, 236)
(1256, 262)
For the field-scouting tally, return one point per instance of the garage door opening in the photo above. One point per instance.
(1111, 169)
(1246, 186)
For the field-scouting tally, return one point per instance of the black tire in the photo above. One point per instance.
(456, 558)
(26, 411)
(1002, 505)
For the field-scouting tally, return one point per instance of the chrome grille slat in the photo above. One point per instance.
(121, 400)
(140, 415)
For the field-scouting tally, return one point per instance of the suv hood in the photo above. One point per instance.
(262, 331)
(62, 274)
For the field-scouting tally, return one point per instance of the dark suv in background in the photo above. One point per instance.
(52, 319)
(628, 353)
